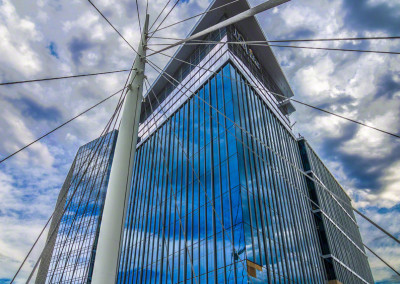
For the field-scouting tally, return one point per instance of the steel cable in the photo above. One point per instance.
(289, 162)
(272, 168)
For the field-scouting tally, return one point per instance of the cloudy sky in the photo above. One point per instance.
(58, 37)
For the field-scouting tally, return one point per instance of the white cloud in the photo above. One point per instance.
(391, 182)
(367, 143)
(22, 213)
(314, 80)
(18, 135)
(318, 77)
(16, 35)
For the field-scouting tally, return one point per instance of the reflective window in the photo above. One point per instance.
(74, 248)
(223, 196)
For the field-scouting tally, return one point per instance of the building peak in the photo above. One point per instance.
(249, 28)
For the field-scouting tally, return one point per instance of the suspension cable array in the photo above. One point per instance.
(58, 207)
(60, 126)
(262, 143)
(286, 98)
(286, 40)
(161, 72)
(100, 143)
(151, 34)
(276, 45)
(202, 186)
(166, 16)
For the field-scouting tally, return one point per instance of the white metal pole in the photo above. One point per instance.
(112, 224)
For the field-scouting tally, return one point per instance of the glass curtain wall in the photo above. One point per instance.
(209, 201)
(73, 254)
(340, 238)
(278, 227)
(184, 220)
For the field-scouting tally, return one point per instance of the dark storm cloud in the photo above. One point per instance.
(330, 151)
(360, 15)
(387, 87)
(365, 170)
(77, 46)
(32, 109)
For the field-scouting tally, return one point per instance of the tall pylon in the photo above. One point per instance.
(112, 224)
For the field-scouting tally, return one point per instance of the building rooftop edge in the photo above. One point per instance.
(251, 29)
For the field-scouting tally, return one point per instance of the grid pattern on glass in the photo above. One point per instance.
(342, 236)
(73, 253)
(279, 232)
(159, 110)
(264, 219)
(154, 244)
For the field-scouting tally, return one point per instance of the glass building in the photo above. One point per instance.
(219, 193)
(224, 206)
(341, 246)
(222, 190)
(69, 254)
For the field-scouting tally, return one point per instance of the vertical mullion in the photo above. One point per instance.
(273, 202)
(258, 128)
(246, 211)
(228, 92)
(268, 204)
(137, 238)
(142, 249)
(134, 242)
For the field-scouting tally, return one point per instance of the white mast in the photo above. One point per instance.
(112, 224)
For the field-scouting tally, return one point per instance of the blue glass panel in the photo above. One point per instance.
(228, 178)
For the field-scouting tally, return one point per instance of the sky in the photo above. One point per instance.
(47, 38)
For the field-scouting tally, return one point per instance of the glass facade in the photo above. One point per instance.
(217, 196)
(210, 204)
(172, 234)
(341, 244)
(277, 219)
(72, 253)
(218, 193)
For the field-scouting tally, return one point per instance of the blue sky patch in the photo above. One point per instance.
(361, 86)
(53, 49)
